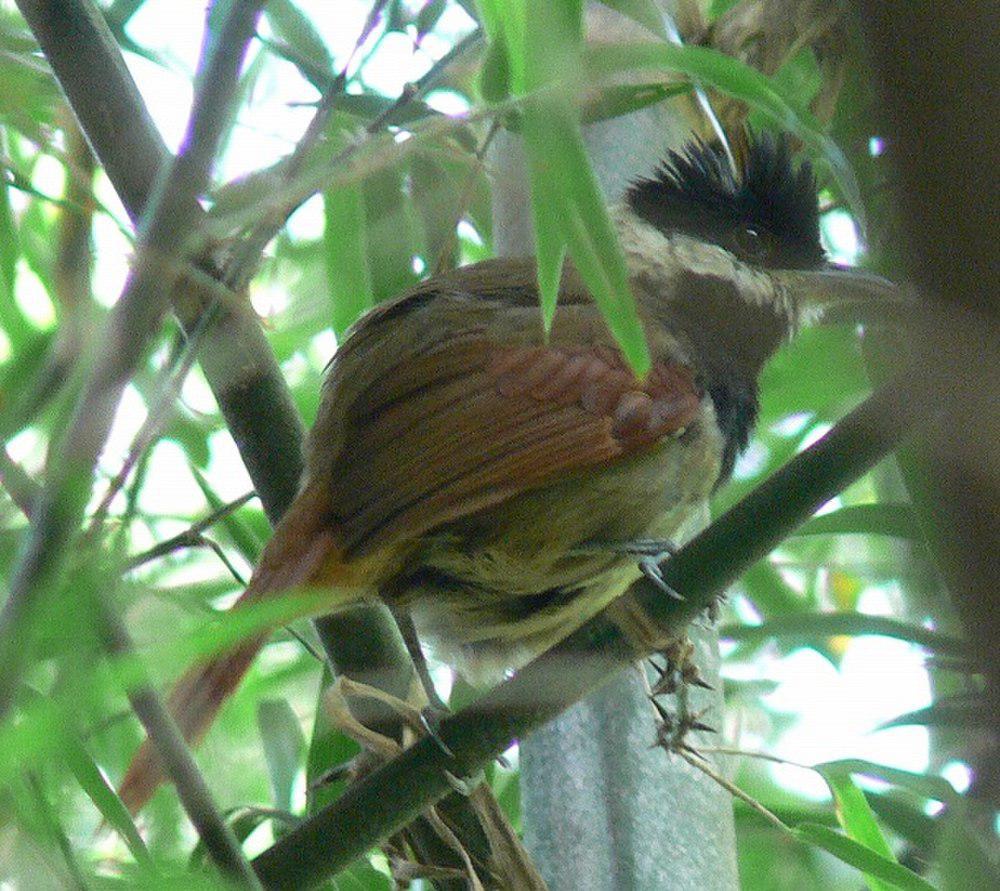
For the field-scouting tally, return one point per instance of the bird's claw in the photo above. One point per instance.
(650, 568)
(651, 552)
(430, 721)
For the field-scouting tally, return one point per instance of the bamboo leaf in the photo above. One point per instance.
(736, 79)
(857, 855)
(616, 100)
(550, 245)
(812, 626)
(105, 799)
(855, 816)
(967, 854)
(567, 200)
(645, 12)
(284, 747)
(570, 214)
(8, 253)
(99, 791)
(866, 519)
(346, 253)
(955, 711)
(930, 787)
(248, 541)
(296, 29)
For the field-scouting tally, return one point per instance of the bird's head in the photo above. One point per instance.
(756, 228)
(731, 262)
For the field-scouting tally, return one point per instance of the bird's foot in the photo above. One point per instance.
(418, 720)
(651, 552)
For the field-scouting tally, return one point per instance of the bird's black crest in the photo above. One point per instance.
(766, 216)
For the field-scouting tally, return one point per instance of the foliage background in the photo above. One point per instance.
(409, 195)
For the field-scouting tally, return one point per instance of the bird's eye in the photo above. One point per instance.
(749, 243)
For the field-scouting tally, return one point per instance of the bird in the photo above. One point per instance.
(490, 477)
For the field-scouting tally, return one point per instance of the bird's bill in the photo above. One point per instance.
(842, 293)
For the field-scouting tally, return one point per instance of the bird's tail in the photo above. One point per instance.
(302, 552)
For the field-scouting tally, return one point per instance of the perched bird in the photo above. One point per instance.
(489, 479)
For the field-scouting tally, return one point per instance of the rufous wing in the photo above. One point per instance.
(470, 422)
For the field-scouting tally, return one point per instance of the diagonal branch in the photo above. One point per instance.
(235, 356)
(178, 762)
(134, 321)
(395, 794)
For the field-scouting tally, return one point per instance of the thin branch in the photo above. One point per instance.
(159, 413)
(695, 760)
(178, 763)
(247, 255)
(235, 356)
(134, 321)
(392, 796)
(190, 536)
(811, 626)
(466, 197)
(274, 217)
(21, 488)
(92, 73)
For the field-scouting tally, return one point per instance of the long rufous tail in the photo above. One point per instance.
(302, 552)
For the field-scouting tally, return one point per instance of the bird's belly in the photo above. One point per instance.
(499, 587)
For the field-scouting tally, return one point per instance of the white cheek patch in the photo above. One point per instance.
(649, 252)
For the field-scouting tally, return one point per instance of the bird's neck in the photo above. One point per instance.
(729, 317)
(730, 339)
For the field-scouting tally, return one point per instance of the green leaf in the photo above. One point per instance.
(390, 231)
(328, 748)
(9, 253)
(494, 74)
(550, 245)
(800, 77)
(719, 8)
(296, 29)
(907, 821)
(616, 100)
(967, 848)
(809, 627)
(284, 747)
(346, 253)
(427, 17)
(954, 711)
(836, 381)
(504, 23)
(243, 821)
(734, 78)
(855, 816)
(369, 106)
(26, 384)
(105, 799)
(438, 190)
(857, 855)
(645, 12)
(925, 785)
(236, 525)
(99, 791)
(866, 519)
(28, 92)
(570, 213)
